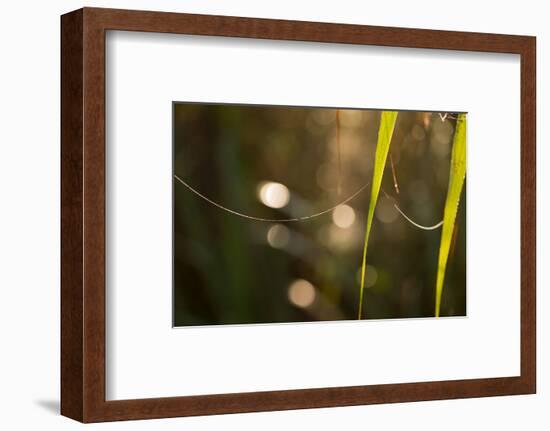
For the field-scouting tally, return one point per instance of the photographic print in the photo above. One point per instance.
(303, 214)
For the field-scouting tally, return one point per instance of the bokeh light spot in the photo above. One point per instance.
(301, 293)
(343, 216)
(274, 195)
(278, 236)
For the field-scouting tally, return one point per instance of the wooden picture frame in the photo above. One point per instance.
(83, 214)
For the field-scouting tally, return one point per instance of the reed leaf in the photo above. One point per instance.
(385, 133)
(456, 182)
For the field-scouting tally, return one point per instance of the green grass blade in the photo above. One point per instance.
(385, 132)
(456, 182)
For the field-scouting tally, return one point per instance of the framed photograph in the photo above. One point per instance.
(267, 215)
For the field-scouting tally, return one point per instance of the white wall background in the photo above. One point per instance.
(29, 215)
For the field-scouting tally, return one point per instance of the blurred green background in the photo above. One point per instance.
(290, 162)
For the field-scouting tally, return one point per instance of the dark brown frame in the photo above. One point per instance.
(83, 214)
